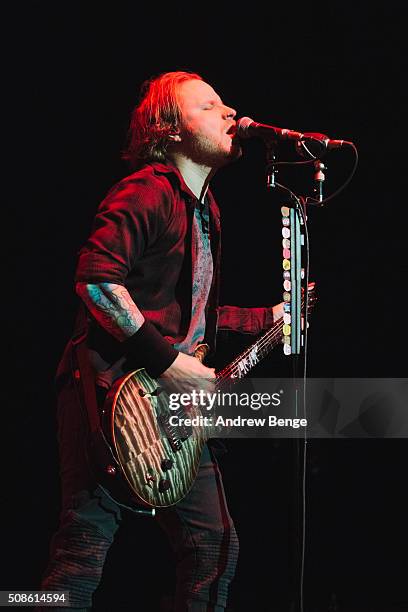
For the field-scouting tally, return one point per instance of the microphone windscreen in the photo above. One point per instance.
(242, 127)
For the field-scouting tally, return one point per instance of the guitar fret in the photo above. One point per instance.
(251, 356)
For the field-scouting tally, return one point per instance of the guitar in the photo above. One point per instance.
(157, 462)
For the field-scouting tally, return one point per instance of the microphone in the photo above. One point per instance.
(325, 141)
(247, 128)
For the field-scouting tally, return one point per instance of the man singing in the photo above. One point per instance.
(148, 279)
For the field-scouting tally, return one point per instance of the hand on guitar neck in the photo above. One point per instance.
(187, 374)
(277, 310)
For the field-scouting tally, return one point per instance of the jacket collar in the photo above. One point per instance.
(168, 167)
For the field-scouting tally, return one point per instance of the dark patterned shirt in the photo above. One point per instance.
(202, 278)
(149, 236)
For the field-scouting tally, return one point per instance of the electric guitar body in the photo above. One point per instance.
(159, 462)
(156, 461)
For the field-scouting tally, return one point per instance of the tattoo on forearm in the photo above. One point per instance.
(113, 308)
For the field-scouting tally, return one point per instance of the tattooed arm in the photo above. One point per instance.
(112, 307)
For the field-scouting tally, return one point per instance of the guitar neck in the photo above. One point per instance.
(248, 359)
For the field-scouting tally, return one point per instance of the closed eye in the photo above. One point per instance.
(211, 104)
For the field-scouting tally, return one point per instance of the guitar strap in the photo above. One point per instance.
(100, 456)
(83, 373)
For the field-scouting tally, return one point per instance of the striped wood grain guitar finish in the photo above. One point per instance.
(158, 464)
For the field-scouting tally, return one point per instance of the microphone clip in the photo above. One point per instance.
(319, 177)
(270, 164)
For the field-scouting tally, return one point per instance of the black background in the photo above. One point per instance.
(73, 72)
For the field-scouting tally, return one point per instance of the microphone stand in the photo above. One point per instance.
(293, 218)
(293, 213)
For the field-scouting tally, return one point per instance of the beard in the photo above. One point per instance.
(204, 151)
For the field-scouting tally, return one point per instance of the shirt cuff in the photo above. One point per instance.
(151, 349)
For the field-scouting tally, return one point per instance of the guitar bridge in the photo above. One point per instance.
(175, 435)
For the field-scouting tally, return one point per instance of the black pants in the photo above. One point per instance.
(199, 528)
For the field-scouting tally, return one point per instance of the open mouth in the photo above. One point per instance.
(232, 130)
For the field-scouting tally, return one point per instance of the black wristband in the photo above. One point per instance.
(151, 349)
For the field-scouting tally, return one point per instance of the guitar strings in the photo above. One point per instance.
(267, 339)
(263, 342)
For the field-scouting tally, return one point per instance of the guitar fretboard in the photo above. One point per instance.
(248, 359)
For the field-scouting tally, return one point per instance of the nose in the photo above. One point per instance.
(229, 112)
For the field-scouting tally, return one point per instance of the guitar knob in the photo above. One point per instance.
(166, 464)
(164, 484)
